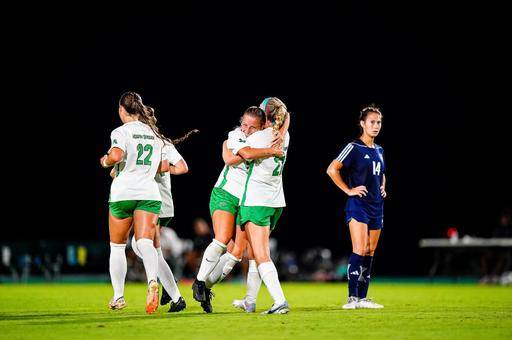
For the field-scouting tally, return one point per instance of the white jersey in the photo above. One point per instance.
(164, 181)
(232, 178)
(135, 178)
(264, 179)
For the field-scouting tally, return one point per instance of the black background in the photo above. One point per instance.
(440, 75)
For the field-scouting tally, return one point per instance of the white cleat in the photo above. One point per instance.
(368, 303)
(117, 304)
(352, 303)
(245, 306)
(279, 309)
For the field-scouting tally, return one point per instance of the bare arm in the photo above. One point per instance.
(228, 156)
(383, 187)
(249, 153)
(115, 156)
(334, 172)
(179, 168)
(163, 166)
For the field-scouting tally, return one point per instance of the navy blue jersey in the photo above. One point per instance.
(365, 167)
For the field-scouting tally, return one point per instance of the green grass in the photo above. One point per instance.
(412, 311)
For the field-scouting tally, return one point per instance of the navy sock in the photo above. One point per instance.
(364, 281)
(353, 273)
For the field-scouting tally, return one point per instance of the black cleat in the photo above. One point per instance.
(207, 305)
(178, 306)
(198, 290)
(165, 298)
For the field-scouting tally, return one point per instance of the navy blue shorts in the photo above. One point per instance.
(370, 213)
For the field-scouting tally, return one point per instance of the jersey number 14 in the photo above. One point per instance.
(376, 168)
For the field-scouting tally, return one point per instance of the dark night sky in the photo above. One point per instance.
(434, 71)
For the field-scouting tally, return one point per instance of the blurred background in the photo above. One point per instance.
(436, 71)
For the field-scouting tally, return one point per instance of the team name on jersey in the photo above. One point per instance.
(135, 136)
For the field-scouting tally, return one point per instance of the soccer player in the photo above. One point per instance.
(364, 210)
(225, 199)
(136, 151)
(263, 201)
(177, 166)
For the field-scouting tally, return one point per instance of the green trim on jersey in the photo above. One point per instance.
(249, 173)
(220, 199)
(224, 179)
(124, 209)
(261, 216)
(164, 221)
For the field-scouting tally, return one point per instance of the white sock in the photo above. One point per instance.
(222, 269)
(268, 273)
(149, 258)
(166, 277)
(134, 247)
(253, 282)
(216, 273)
(117, 268)
(210, 258)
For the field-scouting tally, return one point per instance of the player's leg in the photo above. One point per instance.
(364, 302)
(144, 221)
(119, 221)
(359, 237)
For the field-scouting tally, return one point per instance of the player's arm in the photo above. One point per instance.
(383, 186)
(179, 168)
(163, 166)
(113, 157)
(228, 156)
(249, 153)
(334, 172)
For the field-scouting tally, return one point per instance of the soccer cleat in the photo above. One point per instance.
(368, 303)
(165, 298)
(117, 304)
(178, 306)
(279, 309)
(245, 306)
(352, 303)
(152, 298)
(199, 290)
(207, 304)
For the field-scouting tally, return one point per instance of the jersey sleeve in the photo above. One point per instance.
(117, 140)
(172, 154)
(345, 156)
(236, 141)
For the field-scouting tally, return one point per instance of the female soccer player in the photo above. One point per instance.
(364, 209)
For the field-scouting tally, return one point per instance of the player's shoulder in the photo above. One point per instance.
(236, 133)
(358, 143)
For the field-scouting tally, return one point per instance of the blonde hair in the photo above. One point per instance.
(276, 111)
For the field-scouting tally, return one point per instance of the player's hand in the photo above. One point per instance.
(383, 191)
(278, 140)
(278, 151)
(102, 161)
(358, 191)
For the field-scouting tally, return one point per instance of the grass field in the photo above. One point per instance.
(412, 311)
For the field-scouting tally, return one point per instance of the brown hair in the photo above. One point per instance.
(364, 113)
(132, 103)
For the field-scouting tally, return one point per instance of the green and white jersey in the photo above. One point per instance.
(135, 178)
(164, 181)
(232, 178)
(264, 185)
